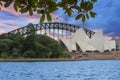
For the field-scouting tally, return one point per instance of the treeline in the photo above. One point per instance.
(30, 46)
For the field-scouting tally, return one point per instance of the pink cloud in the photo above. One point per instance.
(110, 34)
(24, 16)
(9, 25)
(12, 25)
(96, 30)
(108, 37)
(57, 18)
(1, 31)
(36, 17)
(1, 24)
(31, 18)
(10, 9)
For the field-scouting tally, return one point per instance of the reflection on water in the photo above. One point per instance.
(71, 70)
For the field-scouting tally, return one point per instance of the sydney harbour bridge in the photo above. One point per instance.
(50, 27)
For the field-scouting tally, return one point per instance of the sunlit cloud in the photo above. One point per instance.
(10, 9)
(31, 18)
(110, 34)
(56, 18)
(1, 31)
(10, 25)
(1, 24)
(35, 18)
(96, 30)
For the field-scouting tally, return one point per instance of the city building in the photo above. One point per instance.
(117, 41)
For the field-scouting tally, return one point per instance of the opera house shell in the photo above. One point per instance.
(81, 42)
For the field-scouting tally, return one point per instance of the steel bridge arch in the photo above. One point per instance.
(51, 25)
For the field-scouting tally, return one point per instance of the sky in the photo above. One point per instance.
(107, 19)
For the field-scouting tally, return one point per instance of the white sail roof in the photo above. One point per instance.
(97, 41)
(70, 45)
(81, 38)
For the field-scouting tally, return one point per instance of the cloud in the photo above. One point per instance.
(110, 34)
(96, 30)
(10, 25)
(1, 31)
(6, 27)
(26, 17)
(108, 17)
(10, 9)
(56, 18)
(108, 13)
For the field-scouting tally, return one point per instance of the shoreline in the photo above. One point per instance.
(37, 60)
(46, 60)
(113, 55)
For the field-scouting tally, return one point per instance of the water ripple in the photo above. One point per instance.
(74, 70)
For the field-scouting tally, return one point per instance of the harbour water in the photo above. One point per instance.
(64, 70)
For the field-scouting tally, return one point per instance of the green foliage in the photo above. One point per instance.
(29, 54)
(42, 18)
(15, 52)
(82, 7)
(55, 50)
(31, 29)
(45, 40)
(4, 55)
(83, 18)
(92, 14)
(41, 50)
(31, 46)
(49, 17)
(45, 7)
(78, 16)
(4, 47)
(49, 54)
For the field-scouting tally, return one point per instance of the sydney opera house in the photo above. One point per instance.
(81, 42)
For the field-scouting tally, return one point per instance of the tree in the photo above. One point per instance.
(4, 47)
(83, 8)
(4, 55)
(55, 49)
(29, 54)
(31, 46)
(41, 50)
(31, 29)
